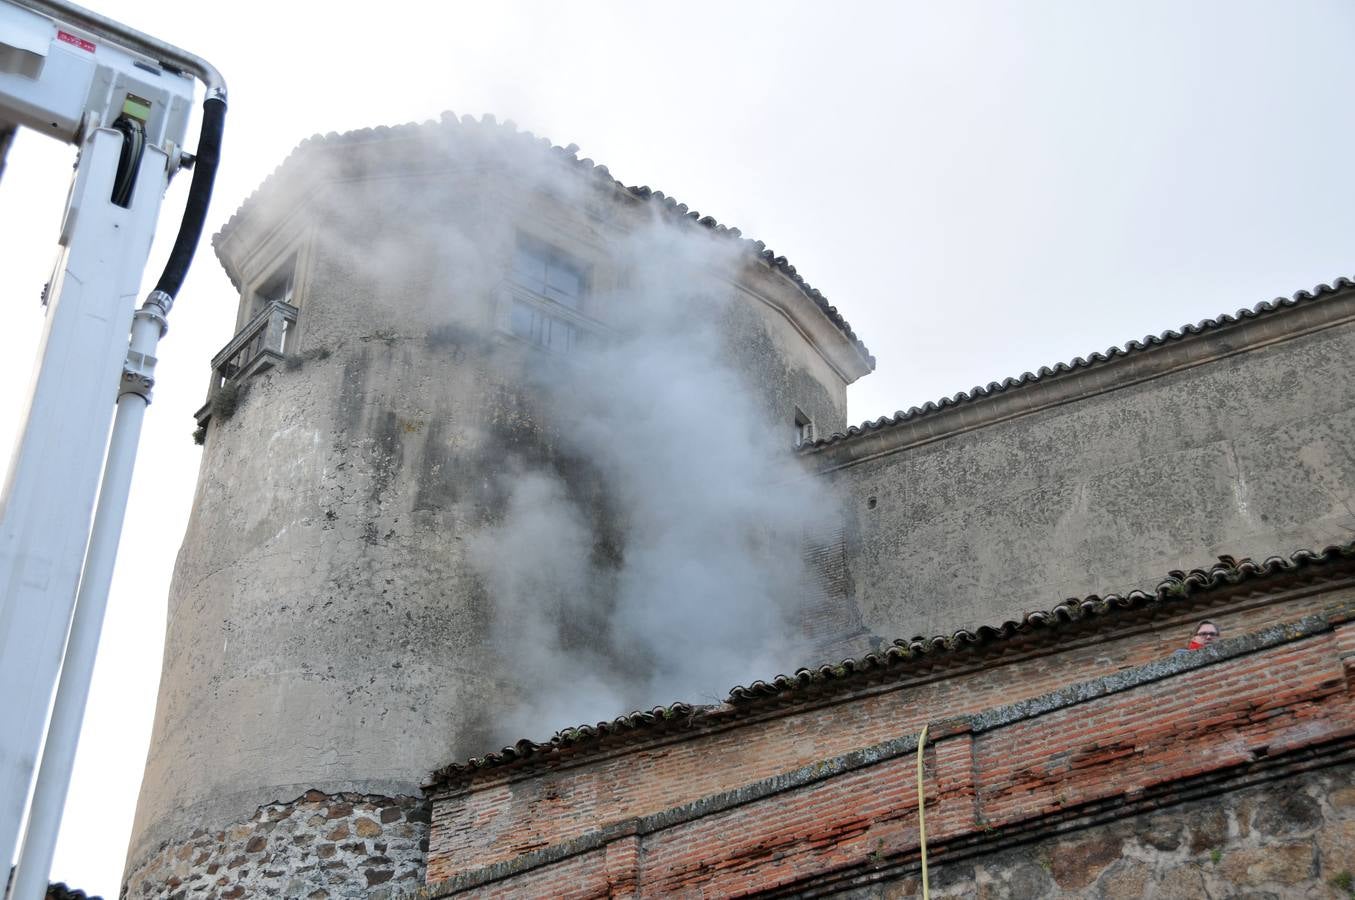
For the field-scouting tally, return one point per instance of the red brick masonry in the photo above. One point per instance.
(813, 793)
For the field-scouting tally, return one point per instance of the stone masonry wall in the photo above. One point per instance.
(1293, 837)
(1099, 479)
(317, 846)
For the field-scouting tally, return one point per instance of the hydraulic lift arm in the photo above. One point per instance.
(124, 99)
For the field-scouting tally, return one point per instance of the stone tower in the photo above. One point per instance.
(411, 299)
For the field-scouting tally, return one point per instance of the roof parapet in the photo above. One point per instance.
(1324, 306)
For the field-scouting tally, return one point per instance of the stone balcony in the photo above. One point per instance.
(258, 346)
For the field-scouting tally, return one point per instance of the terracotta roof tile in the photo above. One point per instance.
(672, 717)
(1177, 586)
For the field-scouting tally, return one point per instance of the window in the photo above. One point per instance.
(548, 273)
(804, 429)
(546, 291)
(281, 285)
(538, 327)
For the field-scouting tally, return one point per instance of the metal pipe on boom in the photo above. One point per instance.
(118, 33)
(77, 669)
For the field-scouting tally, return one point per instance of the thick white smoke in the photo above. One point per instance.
(712, 509)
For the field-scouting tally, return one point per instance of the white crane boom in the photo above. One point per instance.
(124, 100)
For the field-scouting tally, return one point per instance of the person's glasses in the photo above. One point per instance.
(1206, 634)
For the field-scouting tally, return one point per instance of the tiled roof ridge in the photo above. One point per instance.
(568, 154)
(1178, 585)
(675, 715)
(980, 392)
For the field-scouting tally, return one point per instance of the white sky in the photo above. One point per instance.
(980, 188)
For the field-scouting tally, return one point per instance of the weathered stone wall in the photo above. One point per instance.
(1293, 837)
(1239, 440)
(315, 847)
(771, 355)
(323, 615)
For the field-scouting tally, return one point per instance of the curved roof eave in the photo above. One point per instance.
(668, 206)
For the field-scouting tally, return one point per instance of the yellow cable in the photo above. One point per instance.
(922, 813)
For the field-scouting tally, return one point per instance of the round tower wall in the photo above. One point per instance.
(330, 632)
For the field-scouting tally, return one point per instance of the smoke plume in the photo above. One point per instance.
(710, 505)
(665, 561)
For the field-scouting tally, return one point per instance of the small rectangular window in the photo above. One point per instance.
(281, 285)
(522, 320)
(804, 429)
(540, 328)
(548, 273)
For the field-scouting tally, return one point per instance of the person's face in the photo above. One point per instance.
(1206, 635)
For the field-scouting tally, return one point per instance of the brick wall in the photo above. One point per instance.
(500, 817)
(1105, 726)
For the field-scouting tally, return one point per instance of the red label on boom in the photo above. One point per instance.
(80, 42)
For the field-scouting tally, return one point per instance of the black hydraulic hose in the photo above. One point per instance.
(129, 160)
(6, 138)
(199, 196)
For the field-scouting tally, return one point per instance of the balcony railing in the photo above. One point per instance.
(260, 345)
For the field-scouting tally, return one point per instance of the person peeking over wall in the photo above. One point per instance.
(1206, 633)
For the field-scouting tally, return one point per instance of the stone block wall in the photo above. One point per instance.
(1235, 439)
(1292, 837)
(318, 846)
